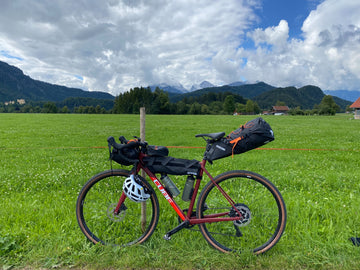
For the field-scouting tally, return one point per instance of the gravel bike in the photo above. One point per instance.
(235, 211)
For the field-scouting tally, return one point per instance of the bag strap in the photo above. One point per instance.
(192, 163)
(235, 142)
(166, 160)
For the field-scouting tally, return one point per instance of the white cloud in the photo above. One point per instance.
(327, 56)
(114, 45)
(275, 35)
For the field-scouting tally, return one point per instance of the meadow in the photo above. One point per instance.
(45, 160)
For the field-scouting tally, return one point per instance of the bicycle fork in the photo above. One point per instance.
(120, 204)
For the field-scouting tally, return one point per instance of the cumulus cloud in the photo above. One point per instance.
(275, 35)
(327, 56)
(113, 45)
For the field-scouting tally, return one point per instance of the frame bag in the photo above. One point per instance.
(171, 165)
(253, 134)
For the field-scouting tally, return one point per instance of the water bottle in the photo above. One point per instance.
(170, 186)
(188, 188)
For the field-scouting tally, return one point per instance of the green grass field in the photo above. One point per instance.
(45, 160)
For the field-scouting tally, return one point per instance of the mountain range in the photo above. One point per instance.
(14, 84)
(247, 90)
(267, 96)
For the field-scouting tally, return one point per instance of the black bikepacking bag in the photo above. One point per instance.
(253, 134)
(125, 157)
(171, 165)
(158, 151)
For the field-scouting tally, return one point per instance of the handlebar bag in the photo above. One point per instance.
(253, 134)
(120, 157)
(171, 165)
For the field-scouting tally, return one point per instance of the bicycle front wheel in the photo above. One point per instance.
(95, 211)
(261, 206)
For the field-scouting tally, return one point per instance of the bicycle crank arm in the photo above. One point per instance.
(181, 226)
(238, 232)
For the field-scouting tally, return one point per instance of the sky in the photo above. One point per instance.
(115, 45)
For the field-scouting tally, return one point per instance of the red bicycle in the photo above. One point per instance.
(236, 210)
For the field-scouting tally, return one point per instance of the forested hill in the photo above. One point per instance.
(266, 95)
(248, 91)
(14, 84)
(305, 97)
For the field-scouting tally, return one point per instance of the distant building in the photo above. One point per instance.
(21, 101)
(18, 101)
(356, 106)
(280, 110)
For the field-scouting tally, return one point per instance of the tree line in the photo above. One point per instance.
(69, 105)
(327, 106)
(158, 102)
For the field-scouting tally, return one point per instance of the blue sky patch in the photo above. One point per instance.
(8, 55)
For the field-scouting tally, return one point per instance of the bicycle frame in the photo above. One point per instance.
(191, 220)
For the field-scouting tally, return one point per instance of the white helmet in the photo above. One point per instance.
(134, 189)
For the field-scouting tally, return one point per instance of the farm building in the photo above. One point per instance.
(280, 110)
(356, 106)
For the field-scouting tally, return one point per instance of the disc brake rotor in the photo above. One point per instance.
(245, 213)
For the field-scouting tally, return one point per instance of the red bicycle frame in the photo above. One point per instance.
(187, 217)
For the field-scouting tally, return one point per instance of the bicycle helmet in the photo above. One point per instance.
(134, 189)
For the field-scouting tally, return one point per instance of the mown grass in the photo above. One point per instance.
(45, 160)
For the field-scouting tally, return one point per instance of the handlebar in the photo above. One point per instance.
(114, 144)
(126, 145)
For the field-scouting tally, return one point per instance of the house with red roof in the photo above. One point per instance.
(356, 106)
(278, 110)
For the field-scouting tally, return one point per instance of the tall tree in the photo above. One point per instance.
(328, 106)
(229, 104)
(250, 108)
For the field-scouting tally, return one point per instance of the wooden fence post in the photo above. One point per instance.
(142, 137)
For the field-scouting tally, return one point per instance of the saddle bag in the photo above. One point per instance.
(253, 134)
(171, 165)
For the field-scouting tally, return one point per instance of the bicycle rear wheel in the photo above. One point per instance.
(95, 211)
(260, 203)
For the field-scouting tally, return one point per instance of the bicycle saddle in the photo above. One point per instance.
(215, 136)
